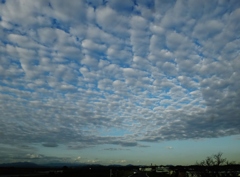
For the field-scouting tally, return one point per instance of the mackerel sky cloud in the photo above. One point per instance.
(111, 81)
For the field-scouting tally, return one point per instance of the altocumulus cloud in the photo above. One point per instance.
(70, 71)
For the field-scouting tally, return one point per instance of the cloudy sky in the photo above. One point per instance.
(119, 82)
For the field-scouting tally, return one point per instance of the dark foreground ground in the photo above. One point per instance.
(92, 171)
(120, 171)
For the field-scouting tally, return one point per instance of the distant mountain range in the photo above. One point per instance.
(20, 164)
(57, 165)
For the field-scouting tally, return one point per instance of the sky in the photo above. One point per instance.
(119, 82)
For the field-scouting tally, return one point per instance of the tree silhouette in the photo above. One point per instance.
(214, 160)
(214, 165)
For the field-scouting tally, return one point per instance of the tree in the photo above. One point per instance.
(214, 160)
(213, 165)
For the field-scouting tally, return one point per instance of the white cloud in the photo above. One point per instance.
(88, 44)
(64, 11)
(169, 147)
(90, 62)
(105, 84)
(207, 29)
(155, 71)
(108, 18)
(174, 40)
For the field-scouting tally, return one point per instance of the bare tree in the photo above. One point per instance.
(212, 165)
(218, 160)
